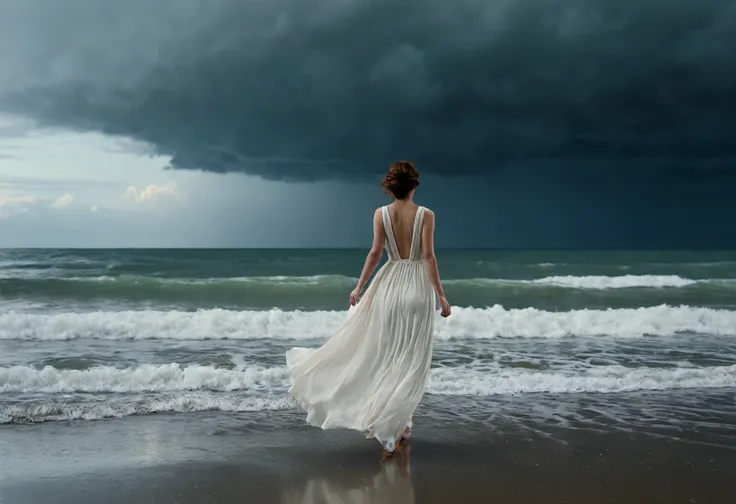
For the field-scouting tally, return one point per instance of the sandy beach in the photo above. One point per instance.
(268, 458)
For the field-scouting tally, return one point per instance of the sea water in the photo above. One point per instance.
(93, 334)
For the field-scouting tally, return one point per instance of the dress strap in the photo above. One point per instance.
(391, 248)
(416, 236)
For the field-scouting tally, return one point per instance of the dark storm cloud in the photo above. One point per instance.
(319, 88)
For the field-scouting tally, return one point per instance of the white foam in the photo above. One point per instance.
(602, 379)
(616, 282)
(465, 323)
(474, 380)
(56, 411)
(591, 282)
(144, 378)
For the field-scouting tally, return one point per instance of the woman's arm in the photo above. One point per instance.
(430, 260)
(373, 257)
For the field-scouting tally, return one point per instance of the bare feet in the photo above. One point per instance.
(400, 455)
(402, 441)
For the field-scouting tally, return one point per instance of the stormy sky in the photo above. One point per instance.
(535, 123)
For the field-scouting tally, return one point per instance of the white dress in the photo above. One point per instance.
(371, 374)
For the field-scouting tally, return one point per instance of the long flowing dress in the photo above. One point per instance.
(372, 372)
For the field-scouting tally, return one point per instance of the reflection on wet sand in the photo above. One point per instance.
(392, 485)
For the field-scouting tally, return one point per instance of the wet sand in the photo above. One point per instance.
(256, 458)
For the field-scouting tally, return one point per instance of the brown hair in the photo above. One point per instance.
(401, 178)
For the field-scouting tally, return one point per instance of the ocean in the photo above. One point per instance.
(627, 339)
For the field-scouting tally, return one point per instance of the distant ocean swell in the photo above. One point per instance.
(466, 323)
(11, 283)
(326, 291)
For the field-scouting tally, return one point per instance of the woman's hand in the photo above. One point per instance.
(354, 296)
(445, 305)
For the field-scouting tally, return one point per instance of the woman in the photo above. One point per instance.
(371, 374)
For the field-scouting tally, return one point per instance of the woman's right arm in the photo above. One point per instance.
(430, 260)
(373, 257)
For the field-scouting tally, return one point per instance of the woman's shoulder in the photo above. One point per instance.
(426, 210)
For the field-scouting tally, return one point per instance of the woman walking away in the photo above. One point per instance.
(371, 374)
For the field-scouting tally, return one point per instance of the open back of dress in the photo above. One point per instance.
(372, 372)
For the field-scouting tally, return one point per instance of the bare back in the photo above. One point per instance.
(402, 221)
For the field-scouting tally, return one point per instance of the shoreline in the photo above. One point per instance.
(241, 458)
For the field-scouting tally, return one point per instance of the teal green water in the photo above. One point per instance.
(321, 279)
(93, 334)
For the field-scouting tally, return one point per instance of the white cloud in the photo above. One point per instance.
(153, 192)
(9, 201)
(62, 202)
(10, 205)
(94, 209)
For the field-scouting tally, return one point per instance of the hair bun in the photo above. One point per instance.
(401, 179)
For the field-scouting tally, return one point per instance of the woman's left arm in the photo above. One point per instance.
(373, 257)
